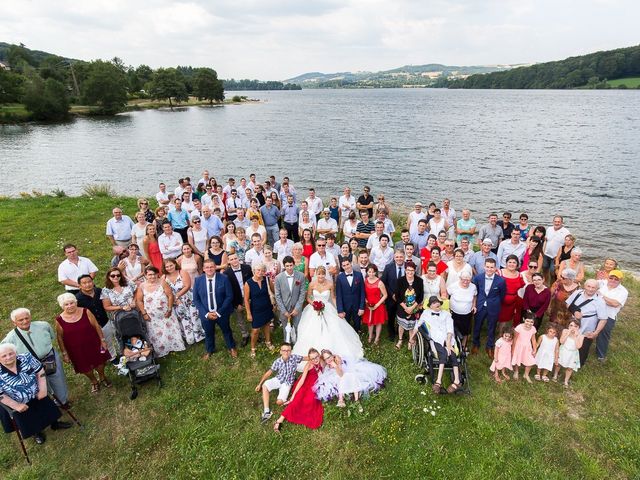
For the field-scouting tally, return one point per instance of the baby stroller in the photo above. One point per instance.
(130, 324)
(425, 356)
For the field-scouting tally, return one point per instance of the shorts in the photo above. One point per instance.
(442, 356)
(283, 388)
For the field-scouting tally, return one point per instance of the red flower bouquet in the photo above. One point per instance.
(318, 306)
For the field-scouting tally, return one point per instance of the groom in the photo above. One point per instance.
(350, 295)
(291, 289)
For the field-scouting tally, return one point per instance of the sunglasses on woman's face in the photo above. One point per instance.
(195, 221)
(115, 275)
(533, 266)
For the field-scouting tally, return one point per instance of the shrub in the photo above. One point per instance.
(99, 190)
(236, 98)
(59, 193)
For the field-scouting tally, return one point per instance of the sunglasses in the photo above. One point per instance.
(195, 221)
(115, 275)
(533, 266)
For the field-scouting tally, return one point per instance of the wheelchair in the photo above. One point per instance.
(425, 357)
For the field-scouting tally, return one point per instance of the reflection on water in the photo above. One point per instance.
(543, 152)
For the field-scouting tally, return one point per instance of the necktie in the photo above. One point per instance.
(399, 272)
(30, 339)
(212, 300)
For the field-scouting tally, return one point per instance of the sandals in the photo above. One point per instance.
(341, 404)
(253, 353)
(95, 387)
(545, 378)
(537, 377)
(437, 388)
(399, 345)
(453, 388)
(270, 347)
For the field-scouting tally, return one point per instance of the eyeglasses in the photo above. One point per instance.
(321, 244)
(115, 275)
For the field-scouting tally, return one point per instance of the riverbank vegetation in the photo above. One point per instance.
(204, 423)
(589, 71)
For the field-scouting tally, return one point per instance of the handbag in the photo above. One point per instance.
(48, 362)
(272, 297)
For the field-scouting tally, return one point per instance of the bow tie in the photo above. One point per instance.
(289, 276)
(349, 274)
(437, 314)
(488, 278)
(238, 270)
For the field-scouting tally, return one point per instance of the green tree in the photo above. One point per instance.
(19, 57)
(11, 86)
(105, 86)
(168, 83)
(46, 99)
(207, 86)
(54, 67)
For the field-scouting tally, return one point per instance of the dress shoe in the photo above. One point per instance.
(490, 353)
(234, 353)
(39, 438)
(245, 341)
(474, 350)
(60, 425)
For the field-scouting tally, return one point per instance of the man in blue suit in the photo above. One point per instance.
(390, 275)
(491, 291)
(350, 295)
(213, 296)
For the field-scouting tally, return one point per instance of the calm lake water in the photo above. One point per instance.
(576, 153)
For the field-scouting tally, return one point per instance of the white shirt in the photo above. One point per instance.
(327, 261)
(346, 204)
(461, 299)
(252, 257)
(488, 281)
(507, 247)
(453, 276)
(282, 250)
(555, 240)
(233, 204)
(414, 218)
(315, 205)
(381, 258)
(439, 324)
(374, 241)
(328, 224)
(71, 271)
(170, 246)
(619, 293)
(226, 190)
(206, 199)
(450, 216)
(349, 230)
(312, 218)
(178, 191)
(162, 197)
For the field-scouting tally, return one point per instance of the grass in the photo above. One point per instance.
(632, 82)
(205, 422)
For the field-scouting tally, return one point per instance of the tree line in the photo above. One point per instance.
(49, 85)
(246, 84)
(590, 71)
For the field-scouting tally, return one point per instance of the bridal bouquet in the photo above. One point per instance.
(318, 306)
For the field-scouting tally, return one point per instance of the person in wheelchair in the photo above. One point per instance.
(439, 326)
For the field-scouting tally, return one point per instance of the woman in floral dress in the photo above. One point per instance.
(180, 283)
(155, 302)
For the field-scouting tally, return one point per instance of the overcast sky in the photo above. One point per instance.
(278, 39)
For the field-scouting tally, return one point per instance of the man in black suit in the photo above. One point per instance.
(238, 273)
(350, 295)
(390, 275)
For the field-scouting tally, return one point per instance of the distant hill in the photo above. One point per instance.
(591, 71)
(432, 74)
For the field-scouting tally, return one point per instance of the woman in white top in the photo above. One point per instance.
(433, 283)
(350, 226)
(133, 265)
(197, 236)
(138, 230)
(462, 304)
(438, 223)
(255, 227)
(229, 236)
(306, 224)
(457, 267)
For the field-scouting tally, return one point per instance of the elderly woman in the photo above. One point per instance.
(608, 265)
(574, 263)
(563, 287)
(81, 341)
(139, 229)
(462, 304)
(240, 245)
(23, 388)
(259, 307)
(536, 298)
(197, 235)
(300, 262)
(155, 300)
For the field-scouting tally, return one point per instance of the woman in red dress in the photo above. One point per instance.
(303, 407)
(511, 309)
(151, 247)
(308, 244)
(81, 341)
(375, 313)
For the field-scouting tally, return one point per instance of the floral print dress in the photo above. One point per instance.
(164, 333)
(187, 313)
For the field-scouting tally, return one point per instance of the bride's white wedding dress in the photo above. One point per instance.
(326, 330)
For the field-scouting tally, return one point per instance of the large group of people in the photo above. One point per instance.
(260, 257)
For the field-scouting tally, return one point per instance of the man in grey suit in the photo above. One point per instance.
(291, 290)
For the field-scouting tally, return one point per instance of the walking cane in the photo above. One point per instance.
(67, 409)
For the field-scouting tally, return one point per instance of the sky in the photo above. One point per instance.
(279, 39)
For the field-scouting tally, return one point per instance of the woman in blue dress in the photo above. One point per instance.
(258, 303)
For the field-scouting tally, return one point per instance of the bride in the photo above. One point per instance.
(325, 330)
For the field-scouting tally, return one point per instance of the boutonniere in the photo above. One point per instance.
(298, 282)
(356, 281)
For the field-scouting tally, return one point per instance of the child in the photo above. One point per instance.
(502, 356)
(136, 349)
(569, 357)
(547, 355)
(440, 326)
(285, 367)
(524, 347)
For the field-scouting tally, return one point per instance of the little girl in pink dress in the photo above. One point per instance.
(502, 356)
(524, 348)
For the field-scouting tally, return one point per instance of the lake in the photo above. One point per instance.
(576, 153)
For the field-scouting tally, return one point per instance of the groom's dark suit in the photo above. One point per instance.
(350, 298)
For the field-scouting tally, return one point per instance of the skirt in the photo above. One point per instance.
(406, 323)
(39, 415)
(462, 322)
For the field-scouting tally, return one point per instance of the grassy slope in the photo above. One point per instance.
(204, 423)
(629, 82)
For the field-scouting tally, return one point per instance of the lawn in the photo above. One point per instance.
(632, 82)
(204, 423)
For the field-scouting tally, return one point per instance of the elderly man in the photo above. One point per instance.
(512, 246)
(73, 267)
(477, 259)
(211, 223)
(614, 296)
(36, 338)
(588, 307)
(326, 224)
(466, 226)
(119, 228)
(347, 204)
(241, 220)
